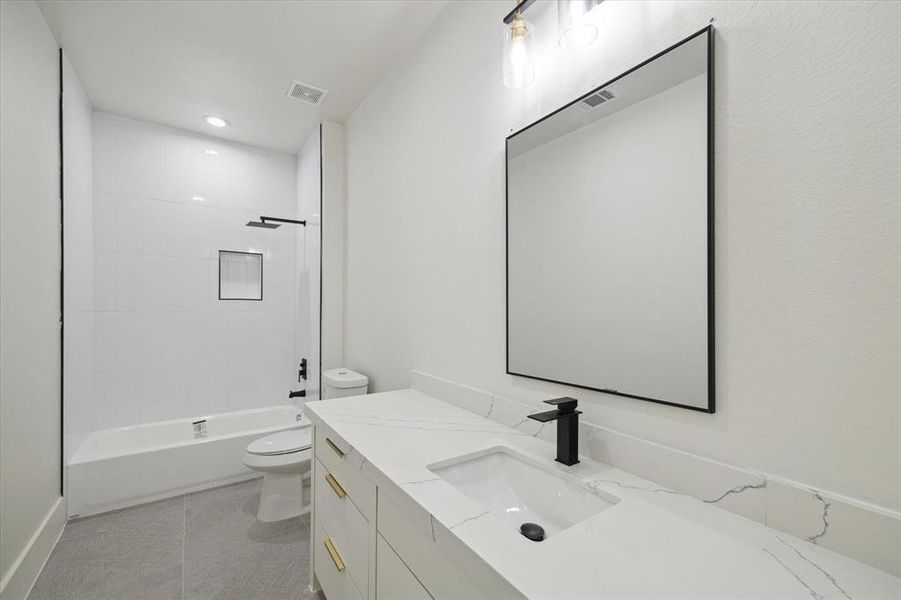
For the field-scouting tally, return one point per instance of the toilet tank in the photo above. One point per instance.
(341, 382)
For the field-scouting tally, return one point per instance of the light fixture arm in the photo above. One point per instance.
(519, 8)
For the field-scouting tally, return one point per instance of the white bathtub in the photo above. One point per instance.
(114, 468)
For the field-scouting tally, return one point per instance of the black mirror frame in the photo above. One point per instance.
(711, 362)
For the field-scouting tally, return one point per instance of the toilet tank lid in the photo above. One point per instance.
(344, 378)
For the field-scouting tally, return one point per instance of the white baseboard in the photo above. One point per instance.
(18, 581)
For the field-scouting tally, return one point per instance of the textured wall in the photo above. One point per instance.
(807, 225)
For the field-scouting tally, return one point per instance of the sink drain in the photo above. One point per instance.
(533, 531)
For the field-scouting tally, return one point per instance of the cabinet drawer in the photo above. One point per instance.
(331, 568)
(344, 524)
(393, 580)
(343, 463)
(446, 575)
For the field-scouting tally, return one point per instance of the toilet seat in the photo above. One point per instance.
(283, 442)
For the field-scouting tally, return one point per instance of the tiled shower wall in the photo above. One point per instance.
(78, 252)
(165, 202)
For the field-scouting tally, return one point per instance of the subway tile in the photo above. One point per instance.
(107, 409)
(106, 340)
(104, 281)
(153, 163)
(130, 214)
(79, 278)
(198, 228)
(105, 153)
(192, 175)
(104, 222)
(162, 394)
(160, 229)
(134, 289)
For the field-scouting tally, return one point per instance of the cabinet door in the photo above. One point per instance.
(344, 524)
(393, 580)
(331, 570)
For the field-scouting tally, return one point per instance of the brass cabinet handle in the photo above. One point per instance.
(332, 445)
(336, 558)
(335, 485)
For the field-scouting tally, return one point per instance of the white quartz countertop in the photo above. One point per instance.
(652, 544)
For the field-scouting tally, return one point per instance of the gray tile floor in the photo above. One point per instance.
(196, 546)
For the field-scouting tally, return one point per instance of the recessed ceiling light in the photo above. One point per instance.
(216, 121)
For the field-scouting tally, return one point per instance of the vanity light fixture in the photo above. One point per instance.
(216, 121)
(576, 30)
(518, 72)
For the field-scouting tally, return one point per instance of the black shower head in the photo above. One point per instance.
(273, 222)
(263, 224)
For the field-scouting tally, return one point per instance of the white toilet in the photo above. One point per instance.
(342, 382)
(284, 459)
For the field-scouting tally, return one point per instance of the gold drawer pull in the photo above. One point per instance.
(332, 445)
(335, 485)
(336, 558)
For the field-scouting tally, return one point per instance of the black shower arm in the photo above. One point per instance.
(277, 220)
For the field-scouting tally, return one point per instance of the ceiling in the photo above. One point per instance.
(173, 62)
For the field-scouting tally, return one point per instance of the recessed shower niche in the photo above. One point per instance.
(240, 275)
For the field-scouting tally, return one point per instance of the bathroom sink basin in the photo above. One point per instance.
(521, 490)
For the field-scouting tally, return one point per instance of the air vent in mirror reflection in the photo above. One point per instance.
(598, 98)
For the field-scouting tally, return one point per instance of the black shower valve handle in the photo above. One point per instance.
(302, 372)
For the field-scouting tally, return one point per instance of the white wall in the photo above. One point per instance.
(31, 515)
(807, 225)
(165, 202)
(78, 247)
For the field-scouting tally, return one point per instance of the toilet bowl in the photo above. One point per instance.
(284, 460)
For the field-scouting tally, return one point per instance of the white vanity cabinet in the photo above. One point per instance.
(343, 521)
(393, 579)
(366, 546)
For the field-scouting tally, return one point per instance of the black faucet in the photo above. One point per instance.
(567, 418)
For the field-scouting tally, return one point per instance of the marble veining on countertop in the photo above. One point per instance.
(654, 543)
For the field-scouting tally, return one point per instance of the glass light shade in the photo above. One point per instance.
(518, 71)
(216, 121)
(576, 31)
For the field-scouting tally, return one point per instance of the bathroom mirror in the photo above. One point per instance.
(240, 275)
(610, 235)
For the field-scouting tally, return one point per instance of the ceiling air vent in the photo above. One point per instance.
(306, 93)
(598, 98)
